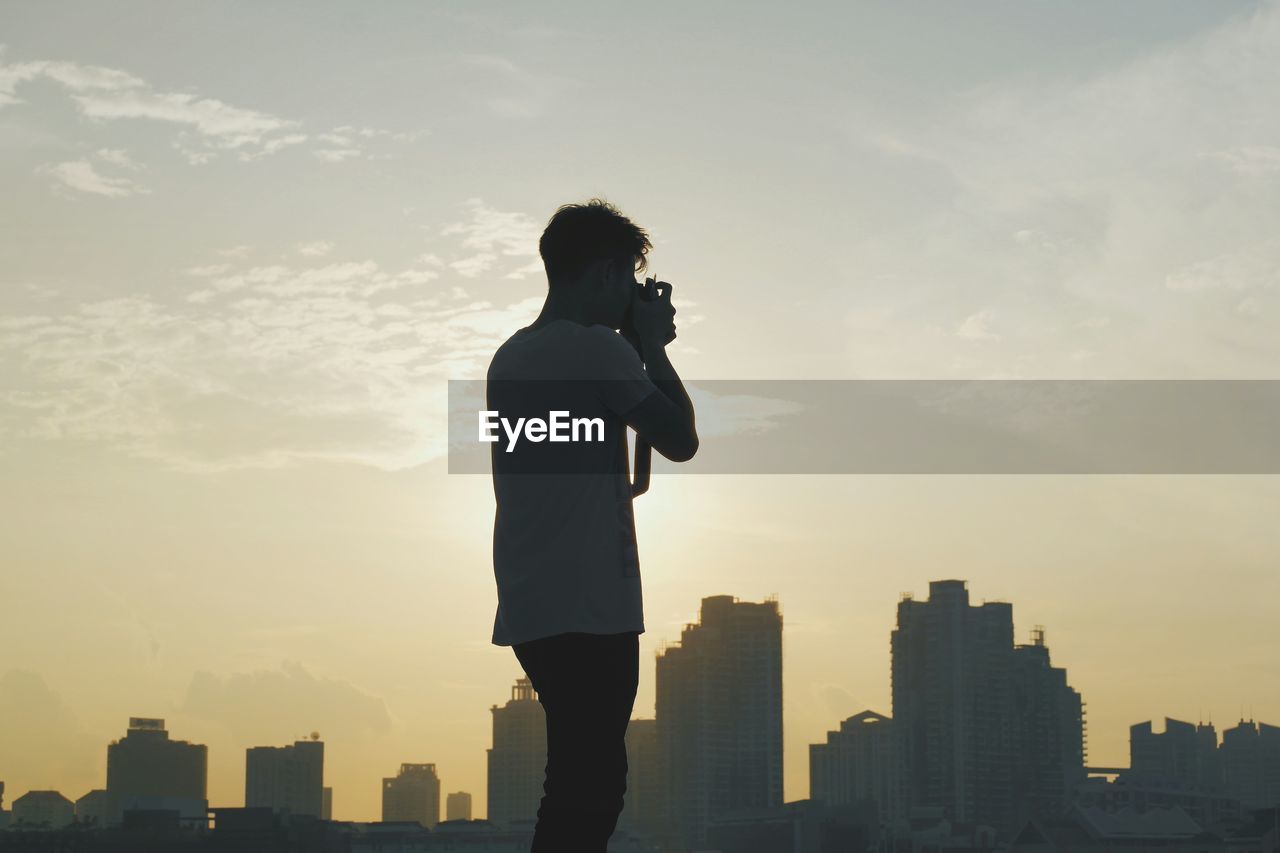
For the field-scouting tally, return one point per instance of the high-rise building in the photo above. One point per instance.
(286, 778)
(953, 704)
(518, 757)
(641, 811)
(413, 794)
(1048, 735)
(326, 807)
(857, 766)
(147, 770)
(458, 806)
(719, 717)
(1251, 763)
(989, 732)
(1184, 754)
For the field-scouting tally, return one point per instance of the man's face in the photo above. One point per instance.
(618, 282)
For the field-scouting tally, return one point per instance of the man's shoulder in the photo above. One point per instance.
(563, 349)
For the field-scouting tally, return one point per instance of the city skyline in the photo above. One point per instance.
(421, 779)
(244, 253)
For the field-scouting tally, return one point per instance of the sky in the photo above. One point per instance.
(245, 246)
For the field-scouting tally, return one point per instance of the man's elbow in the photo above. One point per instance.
(685, 450)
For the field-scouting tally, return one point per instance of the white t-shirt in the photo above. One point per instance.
(564, 539)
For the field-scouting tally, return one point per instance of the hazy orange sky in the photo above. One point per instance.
(244, 251)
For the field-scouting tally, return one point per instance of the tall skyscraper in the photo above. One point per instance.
(1048, 736)
(1184, 754)
(719, 716)
(953, 705)
(458, 806)
(1251, 763)
(518, 757)
(413, 794)
(146, 770)
(857, 765)
(286, 778)
(990, 733)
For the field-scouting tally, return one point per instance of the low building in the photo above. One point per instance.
(43, 809)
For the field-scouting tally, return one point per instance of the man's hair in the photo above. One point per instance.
(577, 235)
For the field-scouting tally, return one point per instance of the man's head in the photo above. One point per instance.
(592, 252)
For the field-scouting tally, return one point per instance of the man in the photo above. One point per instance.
(564, 543)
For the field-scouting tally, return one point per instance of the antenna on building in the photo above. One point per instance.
(1037, 635)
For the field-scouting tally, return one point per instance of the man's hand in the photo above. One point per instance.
(652, 321)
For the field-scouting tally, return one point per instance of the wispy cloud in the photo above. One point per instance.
(518, 91)
(117, 157)
(977, 327)
(263, 706)
(495, 235)
(208, 126)
(259, 365)
(315, 248)
(81, 176)
(54, 749)
(1146, 193)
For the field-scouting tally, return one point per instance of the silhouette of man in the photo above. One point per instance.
(564, 542)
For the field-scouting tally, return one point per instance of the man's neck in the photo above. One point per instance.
(557, 307)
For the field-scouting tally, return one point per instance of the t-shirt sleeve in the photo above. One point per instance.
(618, 376)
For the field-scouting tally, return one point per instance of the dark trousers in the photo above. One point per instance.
(587, 686)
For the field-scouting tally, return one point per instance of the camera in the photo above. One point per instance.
(649, 293)
(649, 290)
(643, 450)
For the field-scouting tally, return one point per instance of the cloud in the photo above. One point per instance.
(336, 155)
(839, 703)
(108, 93)
(474, 265)
(207, 125)
(976, 327)
(44, 746)
(80, 175)
(208, 270)
(314, 249)
(1249, 159)
(1248, 269)
(517, 91)
(117, 157)
(495, 235)
(510, 233)
(272, 706)
(534, 267)
(260, 365)
(271, 146)
(738, 414)
(1147, 192)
